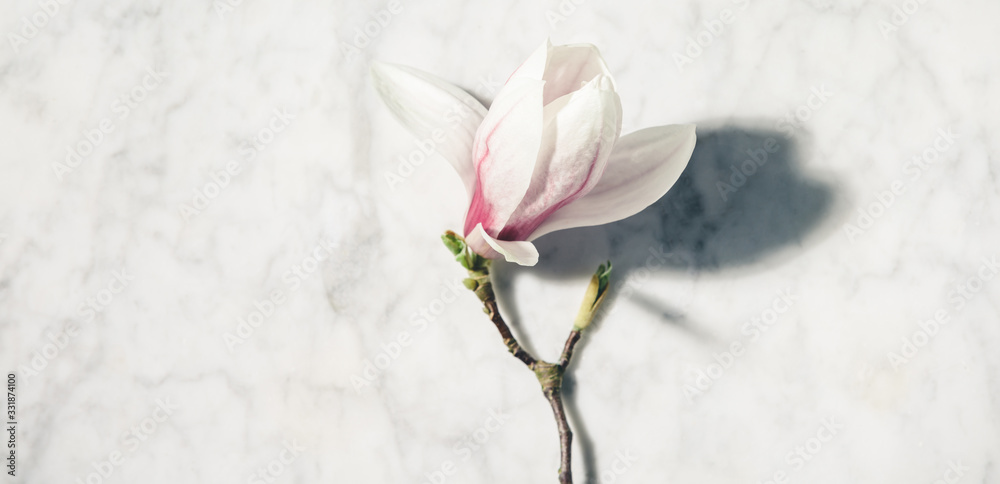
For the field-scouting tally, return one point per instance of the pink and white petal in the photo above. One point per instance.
(427, 105)
(577, 140)
(643, 166)
(571, 66)
(520, 252)
(504, 154)
(476, 239)
(534, 66)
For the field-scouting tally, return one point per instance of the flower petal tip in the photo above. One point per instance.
(520, 252)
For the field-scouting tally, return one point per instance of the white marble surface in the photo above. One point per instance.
(184, 91)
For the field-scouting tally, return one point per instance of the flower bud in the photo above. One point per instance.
(592, 300)
(460, 249)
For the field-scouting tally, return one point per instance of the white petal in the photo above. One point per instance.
(520, 252)
(580, 131)
(504, 153)
(643, 166)
(433, 109)
(534, 66)
(570, 66)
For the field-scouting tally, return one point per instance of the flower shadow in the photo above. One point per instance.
(743, 203)
(727, 212)
(742, 198)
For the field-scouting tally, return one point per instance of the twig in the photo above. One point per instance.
(550, 375)
(567, 353)
(565, 435)
(508, 338)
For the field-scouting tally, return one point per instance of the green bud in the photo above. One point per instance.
(470, 283)
(470, 260)
(454, 242)
(594, 296)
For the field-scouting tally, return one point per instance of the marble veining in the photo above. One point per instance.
(219, 254)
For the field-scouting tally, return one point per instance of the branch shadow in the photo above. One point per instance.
(743, 203)
(579, 430)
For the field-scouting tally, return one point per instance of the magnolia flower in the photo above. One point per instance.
(547, 154)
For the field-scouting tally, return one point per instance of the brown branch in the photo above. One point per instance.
(508, 338)
(554, 397)
(567, 353)
(550, 375)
